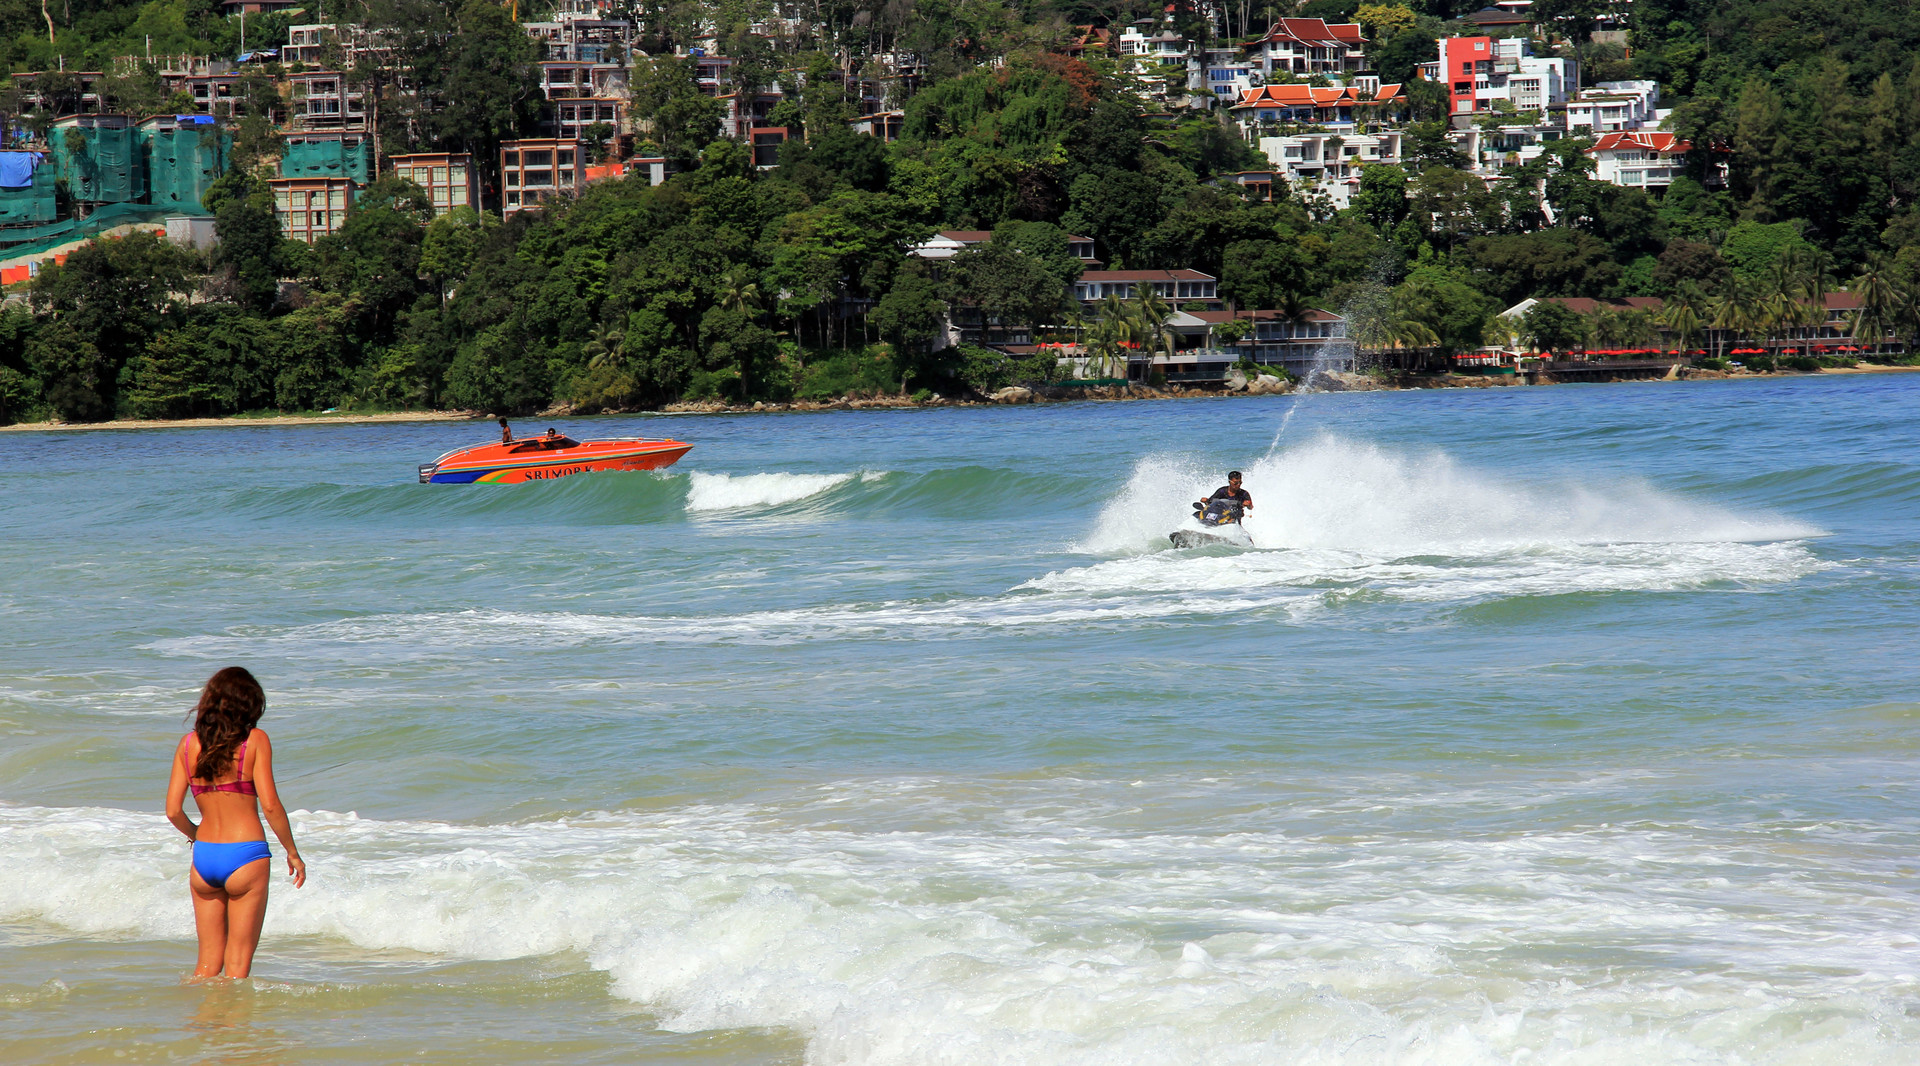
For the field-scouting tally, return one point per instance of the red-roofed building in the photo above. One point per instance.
(1175, 286)
(1311, 46)
(1310, 105)
(1639, 159)
(1832, 335)
(1316, 339)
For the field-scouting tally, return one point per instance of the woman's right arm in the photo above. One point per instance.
(177, 792)
(271, 806)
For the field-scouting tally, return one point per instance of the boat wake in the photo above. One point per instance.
(709, 493)
(1344, 534)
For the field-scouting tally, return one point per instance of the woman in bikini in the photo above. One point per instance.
(228, 765)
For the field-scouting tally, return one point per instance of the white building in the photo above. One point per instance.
(1615, 106)
(1175, 286)
(1641, 159)
(951, 242)
(1481, 73)
(1328, 162)
(1304, 47)
(1226, 74)
(1149, 44)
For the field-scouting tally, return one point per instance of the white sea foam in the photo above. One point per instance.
(1295, 587)
(1037, 930)
(749, 492)
(1343, 495)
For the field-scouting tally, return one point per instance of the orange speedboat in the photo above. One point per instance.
(550, 456)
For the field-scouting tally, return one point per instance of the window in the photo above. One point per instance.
(513, 178)
(538, 177)
(510, 159)
(459, 195)
(566, 157)
(440, 175)
(513, 197)
(539, 159)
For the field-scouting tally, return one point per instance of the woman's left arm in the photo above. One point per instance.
(271, 807)
(177, 792)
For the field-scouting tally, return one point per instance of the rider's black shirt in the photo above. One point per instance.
(1228, 492)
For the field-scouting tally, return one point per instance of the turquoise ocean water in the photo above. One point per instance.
(1563, 725)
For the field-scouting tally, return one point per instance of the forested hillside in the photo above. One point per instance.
(740, 282)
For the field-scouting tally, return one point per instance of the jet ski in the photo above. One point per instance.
(1214, 522)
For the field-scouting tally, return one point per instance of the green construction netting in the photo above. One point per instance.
(101, 164)
(328, 158)
(183, 162)
(35, 203)
(34, 240)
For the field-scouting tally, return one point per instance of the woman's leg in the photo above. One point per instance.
(246, 912)
(210, 921)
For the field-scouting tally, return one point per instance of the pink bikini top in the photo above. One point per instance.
(242, 786)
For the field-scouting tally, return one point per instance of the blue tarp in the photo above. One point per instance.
(16, 169)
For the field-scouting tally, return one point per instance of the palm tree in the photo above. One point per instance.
(1816, 280)
(1106, 339)
(1150, 312)
(738, 291)
(1879, 302)
(1736, 313)
(605, 347)
(1122, 330)
(1682, 320)
(1778, 313)
(1500, 332)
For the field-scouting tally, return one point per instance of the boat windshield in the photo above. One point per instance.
(545, 444)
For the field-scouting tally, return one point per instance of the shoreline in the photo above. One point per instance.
(1020, 395)
(243, 420)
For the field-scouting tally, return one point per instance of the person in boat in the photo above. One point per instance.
(227, 764)
(506, 431)
(1230, 492)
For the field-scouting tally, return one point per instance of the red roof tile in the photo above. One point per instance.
(1649, 140)
(1316, 31)
(1313, 96)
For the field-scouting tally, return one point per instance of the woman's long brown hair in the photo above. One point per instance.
(229, 707)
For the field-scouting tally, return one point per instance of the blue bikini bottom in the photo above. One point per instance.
(217, 862)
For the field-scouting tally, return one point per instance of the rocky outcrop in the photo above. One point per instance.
(1012, 394)
(1344, 381)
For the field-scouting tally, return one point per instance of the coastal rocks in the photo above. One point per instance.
(1344, 381)
(1012, 394)
(1258, 385)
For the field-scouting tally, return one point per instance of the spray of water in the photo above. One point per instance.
(1335, 493)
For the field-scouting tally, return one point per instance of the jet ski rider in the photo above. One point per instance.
(1231, 492)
